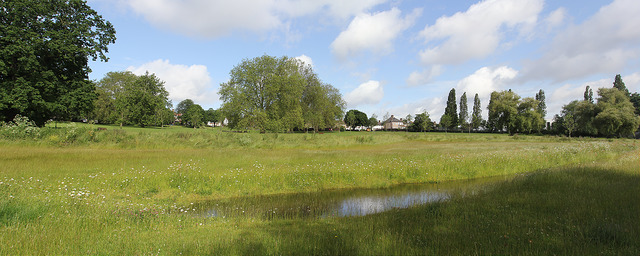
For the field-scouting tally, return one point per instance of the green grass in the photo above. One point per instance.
(96, 194)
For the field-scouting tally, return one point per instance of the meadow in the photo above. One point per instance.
(76, 189)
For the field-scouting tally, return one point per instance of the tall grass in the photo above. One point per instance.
(136, 196)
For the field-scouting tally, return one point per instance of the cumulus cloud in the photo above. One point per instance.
(603, 43)
(370, 92)
(483, 82)
(372, 32)
(426, 76)
(477, 32)
(555, 18)
(305, 59)
(181, 81)
(215, 18)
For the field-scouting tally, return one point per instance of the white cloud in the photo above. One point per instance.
(182, 82)
(486, 80)
(215, 18)
(426, 76)
(305, 59)
(372, 32)
(483, 82)
(477, 32)
(604, 43)
(370, 92)
(555, 18)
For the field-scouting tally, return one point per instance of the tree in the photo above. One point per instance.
(615, 114)
(277, 94)
(109, 89)
(569, 123)
(619, 84)
(503, 108)
(350, 119)
(635, 100)
(464, 112)
(476, 117)
(422, 123)
(213, 115)
(542, 106)
(373, 121)
(528, 118)
(445, 122)
(194, 116)
(588, 94)
(183, 106)
(451, 110)
(143, 99)
(45, 46)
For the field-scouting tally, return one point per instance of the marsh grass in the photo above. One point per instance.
(136, 194)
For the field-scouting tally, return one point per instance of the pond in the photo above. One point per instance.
(343, 203)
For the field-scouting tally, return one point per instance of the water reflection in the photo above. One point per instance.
(343, 203)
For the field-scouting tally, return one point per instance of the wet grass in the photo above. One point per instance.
(102, 197)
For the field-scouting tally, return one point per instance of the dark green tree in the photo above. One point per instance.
(421, 123)
(355, 118)
(528, 118)
(588, 94)
(464, 113)
(616, 117)
(619, 84)
(451, 110)
(195, 116)
(635, 100)
(213, 115)
(476, 117)
(45, 47)
(542, 105)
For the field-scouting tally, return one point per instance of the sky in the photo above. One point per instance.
(387, 57)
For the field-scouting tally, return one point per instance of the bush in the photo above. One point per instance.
(20, 128)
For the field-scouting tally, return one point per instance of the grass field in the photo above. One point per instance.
(77, 190)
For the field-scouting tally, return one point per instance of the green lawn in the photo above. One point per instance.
(77, 190)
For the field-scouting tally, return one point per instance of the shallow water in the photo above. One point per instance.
(343, 203)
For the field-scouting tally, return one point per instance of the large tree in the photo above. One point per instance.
(354, 118)
(528, 118)
(111, 87)
(476, 117)
(616, 115)
(451, 111)
(542, 105)
(268, 93)
(421, 123)
(503, 109)
(143, 101)
(464, 113)
(45, 47)
(619, 84)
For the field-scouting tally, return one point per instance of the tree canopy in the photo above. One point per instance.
(450, 111)
(45, 46)
(278, 94)
(126, 98)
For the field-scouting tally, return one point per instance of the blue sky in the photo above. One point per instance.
(385, 56)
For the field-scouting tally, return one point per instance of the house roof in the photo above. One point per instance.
(392, 119)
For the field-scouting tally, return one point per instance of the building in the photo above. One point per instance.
(394, 123)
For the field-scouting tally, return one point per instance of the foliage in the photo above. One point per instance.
(278, 94)
(529, 119)
(113, 86)
(44, 52)
(635, 100)
(194, 116)
(450, 111)
(464, 112)
(354, 118)
(503, 110)
(476, 117)
(183, 106)
(20, 128)
(422, 123)
(143, 100)
(616, 115)
(588, 94)
(619, 84)
(213, 115)
(542, 105)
